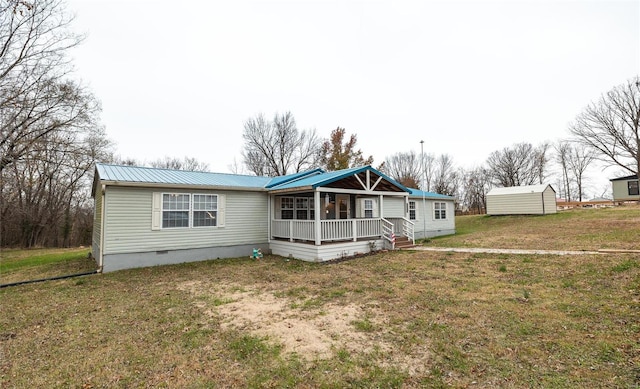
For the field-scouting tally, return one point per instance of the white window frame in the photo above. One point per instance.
(439, 210)
(368, 205)
(212, 212)
(163, 210)
(412, 209)
(289, 206)
(219, 222)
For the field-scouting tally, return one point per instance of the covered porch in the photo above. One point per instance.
(333, 217)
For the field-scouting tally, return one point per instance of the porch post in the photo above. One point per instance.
(316, 217)
(381, 206)
(354, 229)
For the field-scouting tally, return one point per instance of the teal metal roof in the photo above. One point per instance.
(275, 181)
(429, 195)
(329, 177)
(136, 174)
(312, 178)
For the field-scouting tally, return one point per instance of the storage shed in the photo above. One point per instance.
(522, 200)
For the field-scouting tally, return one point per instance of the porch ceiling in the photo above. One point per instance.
(351, 182)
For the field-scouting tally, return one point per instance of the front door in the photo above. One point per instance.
(343, 206)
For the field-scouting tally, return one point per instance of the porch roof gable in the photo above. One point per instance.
(351, 178)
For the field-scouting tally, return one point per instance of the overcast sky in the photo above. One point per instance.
(467, 77)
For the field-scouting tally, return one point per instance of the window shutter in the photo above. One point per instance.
(156, 211)
(221, 210)
(375, 207)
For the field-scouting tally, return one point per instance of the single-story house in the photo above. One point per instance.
(522, 200)
(625, 188)
(145, 216)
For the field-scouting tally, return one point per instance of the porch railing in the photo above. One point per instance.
(403, 227)
(293, 229)
(330, 230)
(388, 234)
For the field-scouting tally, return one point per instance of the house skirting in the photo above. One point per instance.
(433, 233)
(113, 262)
(325, 252)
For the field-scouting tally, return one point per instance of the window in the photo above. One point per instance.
(302, 208)
(286, 207)
(175, 210)
(440, 211)
(412, 210)
(633, 188)
(368, 208)
(184, 210)
(205, 210)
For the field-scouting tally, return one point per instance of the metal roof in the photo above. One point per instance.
(417, 193)
(631, 177)
(326, 178)
(275, 181)
(136, 174)
(309, 179)
(520, 189)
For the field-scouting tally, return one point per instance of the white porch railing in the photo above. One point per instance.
(403, 226)
(388, 234)
(330, 230)
(293, 229)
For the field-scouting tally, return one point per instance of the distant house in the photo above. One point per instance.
(145, 216)
(522, 200)
(625, 188)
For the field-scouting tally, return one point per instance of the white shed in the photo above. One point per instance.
(522, 200)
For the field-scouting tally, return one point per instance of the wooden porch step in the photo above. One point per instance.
(402, 242)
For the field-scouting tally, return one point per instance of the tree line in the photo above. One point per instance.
(51, 137)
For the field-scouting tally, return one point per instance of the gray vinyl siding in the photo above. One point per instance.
(426, 225)
(621, 191)
(97, 225)
(394, 207)
(129, 216)
(537, 203)
(550, 205)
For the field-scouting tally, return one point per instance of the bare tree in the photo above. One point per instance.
(35, 97)
(563, 149)
(521, 164)
(475, 183)
(611, 126)
(187, 163)
(404, 168)
(579, 159)
(45, 194)
(446, 176)
(277, 147)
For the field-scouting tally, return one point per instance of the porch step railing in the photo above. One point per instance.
(388, 234)
(408, 228)
(403, 227)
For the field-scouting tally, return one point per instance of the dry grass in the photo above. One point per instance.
(397, 319)
(578, 229)
(389, 320)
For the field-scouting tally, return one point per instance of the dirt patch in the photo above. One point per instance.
(312, 333)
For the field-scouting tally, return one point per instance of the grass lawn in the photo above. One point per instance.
(23, 265)
(579, 229)
(394, 319)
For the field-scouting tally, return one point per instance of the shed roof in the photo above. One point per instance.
(631, 177)
(520, 189)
